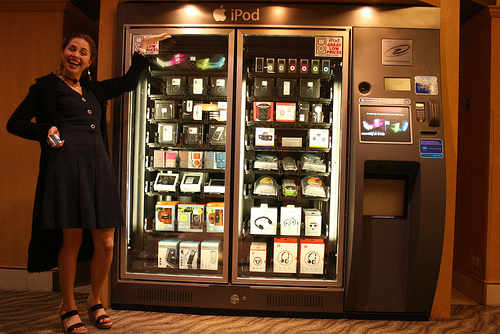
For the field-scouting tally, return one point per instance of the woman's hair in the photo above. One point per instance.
(93, 48)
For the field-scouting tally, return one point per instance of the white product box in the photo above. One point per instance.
(285, 255)
(312, 222)
(263, 220)
(166, 182)
(188, 254)
(168, 253)
(319, 138)
(165, 215)
(312, 256)
(285, 112)
(290, 220)
(215, 217)
(209, 255)
(190, 217)
(191, 182)
(264, 136)
(258, 256)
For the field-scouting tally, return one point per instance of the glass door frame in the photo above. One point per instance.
(127, 165)
(340, 104)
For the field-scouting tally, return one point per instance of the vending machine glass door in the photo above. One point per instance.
(290, 157)
(176, 189)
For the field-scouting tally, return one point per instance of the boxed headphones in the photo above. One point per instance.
(285, 255)
(312, 256)
(263, 220)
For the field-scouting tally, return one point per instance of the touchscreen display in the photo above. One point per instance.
(390, 124)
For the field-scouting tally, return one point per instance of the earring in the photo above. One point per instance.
(88, 72)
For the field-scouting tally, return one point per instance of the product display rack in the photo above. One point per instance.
(285, 105)
(177, 225)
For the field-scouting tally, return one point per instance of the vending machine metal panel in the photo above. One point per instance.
(256, 150)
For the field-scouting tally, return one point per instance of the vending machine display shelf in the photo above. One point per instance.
(289, 125)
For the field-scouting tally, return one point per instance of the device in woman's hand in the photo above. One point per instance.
(53, 140)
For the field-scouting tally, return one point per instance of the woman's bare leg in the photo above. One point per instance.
(100, 265)
(67, 262)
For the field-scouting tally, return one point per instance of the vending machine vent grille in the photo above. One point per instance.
(165, 295)
(294, 301)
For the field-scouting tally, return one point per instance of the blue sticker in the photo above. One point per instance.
(431, 148)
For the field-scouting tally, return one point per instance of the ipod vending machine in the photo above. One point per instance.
(280, 158)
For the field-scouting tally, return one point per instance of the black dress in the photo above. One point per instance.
(76, 185)
(80, 184)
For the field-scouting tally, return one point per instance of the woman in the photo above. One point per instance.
(77, 205)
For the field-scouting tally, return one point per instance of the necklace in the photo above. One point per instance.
(75, 81)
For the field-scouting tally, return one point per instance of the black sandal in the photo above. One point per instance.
(98, 322)
(71, 328)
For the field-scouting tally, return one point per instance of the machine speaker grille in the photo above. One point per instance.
(301, 301)
(165, 295)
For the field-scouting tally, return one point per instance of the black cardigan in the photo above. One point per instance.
(40, 103)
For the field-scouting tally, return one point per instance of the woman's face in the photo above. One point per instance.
(75, 57)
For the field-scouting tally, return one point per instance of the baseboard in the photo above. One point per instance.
(493, 294)
(469, 286)
(21, 280)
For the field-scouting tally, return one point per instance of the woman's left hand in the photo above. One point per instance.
(153, 39)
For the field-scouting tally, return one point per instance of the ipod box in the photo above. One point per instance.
(258, 256)
(215, 217)
(215, 160)
(219, 86)
(190, 217)
(209, 255)
(176, 86)
(165, 212)
(312, 222)
(285, 255)
(263, 87)
(290, 220)
(217, 134)
(285, 112)
(168, 253)
(188, 254)
(263, 220)
(167, 133)
(286, 87)
(198, 86)
(164, 159)
(264, 136)
(195, 159)
(319, 138)
(312, 256)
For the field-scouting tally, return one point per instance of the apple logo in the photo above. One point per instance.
(219, 14)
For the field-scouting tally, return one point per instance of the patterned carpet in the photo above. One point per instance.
(36, 312)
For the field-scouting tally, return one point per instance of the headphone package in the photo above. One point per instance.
(312, 256)
(290, 220)
(285, 255)
(263, 220)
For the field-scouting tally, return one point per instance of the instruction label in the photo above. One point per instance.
(431, 148)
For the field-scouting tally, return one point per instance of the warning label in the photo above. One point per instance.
(328, 47)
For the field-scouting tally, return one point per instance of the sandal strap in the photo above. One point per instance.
(102, 317)
(69, 314)
(96, 307)
(75, 326)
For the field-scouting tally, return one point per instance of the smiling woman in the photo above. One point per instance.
(77, 206)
